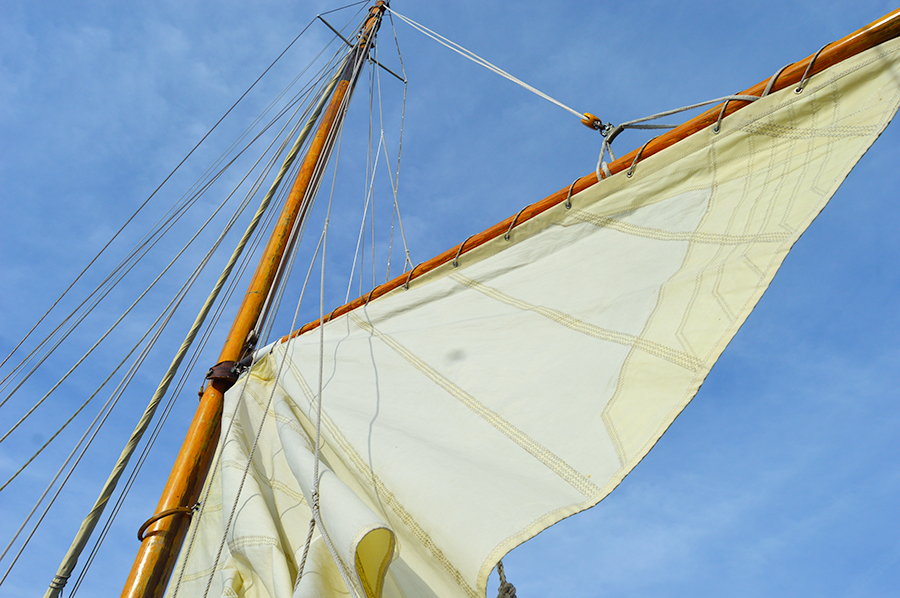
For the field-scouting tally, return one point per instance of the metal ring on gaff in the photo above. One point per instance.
(458, 251)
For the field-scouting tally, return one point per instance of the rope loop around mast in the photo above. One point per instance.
(162, 515)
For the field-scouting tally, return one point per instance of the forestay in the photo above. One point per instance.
(490, 400)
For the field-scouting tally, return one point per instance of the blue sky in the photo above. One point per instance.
(781, 478)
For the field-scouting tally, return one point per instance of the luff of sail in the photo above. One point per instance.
(490, 400)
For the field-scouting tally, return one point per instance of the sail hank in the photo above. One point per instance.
(488, 401)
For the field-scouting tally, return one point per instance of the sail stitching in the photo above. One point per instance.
(680, 358)
(782, 131)
(271, 482)
(547, 457)
(381, 489)
(661, 235)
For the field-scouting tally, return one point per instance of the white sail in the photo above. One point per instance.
(488, 401)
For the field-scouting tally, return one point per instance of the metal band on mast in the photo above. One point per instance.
(162, 541)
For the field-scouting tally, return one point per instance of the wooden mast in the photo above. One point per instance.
(163, 538)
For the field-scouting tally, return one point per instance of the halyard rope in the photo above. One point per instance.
(481, 61)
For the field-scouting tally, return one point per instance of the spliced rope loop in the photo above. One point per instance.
(610, 132)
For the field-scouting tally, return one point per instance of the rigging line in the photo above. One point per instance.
(395, 210)
(341, 566)
(276, 292)
(316, 515)
(372, 180)
(101, 416)
(602, 167)
(283, 287)
(346, 6)
(310, 192)
(396, 184)
(159, 424)
(271, 396)
(362, 225)
(79, 410)
(158, 234)
(481, 61)
(322, 94)
(116, 323)
(211, 325)
(295, 240)
(269, 296)
(116, 234)
(78, 544)
(373, 164)
(390, 249)
(167, 219)
(225, 435)
(109, 285)
(166, 315)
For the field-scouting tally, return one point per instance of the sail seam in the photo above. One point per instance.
(679, 358)
(382, 491)
(271, 482)
(691, 237)
(537, 450)
(782, 131)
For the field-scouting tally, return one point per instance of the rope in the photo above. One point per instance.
(155, 191)
(91, 520)
(506, 589)
(481, 61)
(603, 167)
(395, 182)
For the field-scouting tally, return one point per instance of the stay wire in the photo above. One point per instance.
(165, 317)
(481, 61)
(234, 218)
(104, 413)
(169, 224)
(81, 407)
(155, 191)
(160, 422)
(395, 184)
(158, 230)
(312, 191)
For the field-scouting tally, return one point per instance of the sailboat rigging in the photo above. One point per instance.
(470, 250)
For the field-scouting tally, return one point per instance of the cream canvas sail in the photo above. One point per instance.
(489, 400)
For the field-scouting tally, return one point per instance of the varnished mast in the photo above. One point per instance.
(163, 538)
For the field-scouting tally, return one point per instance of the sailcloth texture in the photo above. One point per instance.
(490, 400)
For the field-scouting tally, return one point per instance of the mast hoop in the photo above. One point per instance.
(161, 515)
